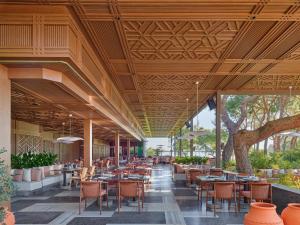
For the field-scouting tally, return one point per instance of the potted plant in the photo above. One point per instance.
(6, 190)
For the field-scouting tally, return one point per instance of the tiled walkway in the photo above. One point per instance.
(166, 202)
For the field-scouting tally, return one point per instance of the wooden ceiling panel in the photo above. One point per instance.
(127, 82)
(256, 32)
(169, 82)
(177, 40)
(107, 36)
(275, 82)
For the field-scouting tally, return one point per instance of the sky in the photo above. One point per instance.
(206, 119)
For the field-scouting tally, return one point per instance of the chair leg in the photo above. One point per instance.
(229, 203)
(100, 205)
(107, 200)
(139, 199)
(85, 203)
(79, 206)
(214, 206)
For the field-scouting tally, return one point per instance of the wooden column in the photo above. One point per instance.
(218, 130)
(171, 146)
(192, 140)
(174, 145)
(128, 149)
(180, 143)
(88, 143)
(5, 115)
(117, 149)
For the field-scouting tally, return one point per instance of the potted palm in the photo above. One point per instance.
(6, 190)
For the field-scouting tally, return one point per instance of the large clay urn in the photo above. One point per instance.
(261, 213)
(291, 214)
(9, 218)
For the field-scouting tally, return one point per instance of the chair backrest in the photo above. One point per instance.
(92, 170)
(216, 172)
(179, 169)
(89, 189)
(107, 163)
(195, 173)
(224, 190)
(128, 188)
(83, 173)
(260, 191)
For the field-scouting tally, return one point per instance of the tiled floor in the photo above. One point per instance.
(166, 202)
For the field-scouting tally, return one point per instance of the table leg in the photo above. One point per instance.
(64, 179)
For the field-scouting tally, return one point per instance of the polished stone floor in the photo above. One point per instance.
(166, 202)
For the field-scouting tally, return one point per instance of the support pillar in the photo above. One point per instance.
(171, 146)
(5, 115)
(5, 119)
(175, 140)
(128, 149)
(180, 143)
(218, 130)
(192, 140)
(117, 149)
(88, 143)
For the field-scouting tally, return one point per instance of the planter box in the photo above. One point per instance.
(282, 195)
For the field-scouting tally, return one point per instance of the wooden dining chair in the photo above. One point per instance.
(78, 178)
(259, 192)
(222, 191)
(93, 189)
(91, 172)
(130, 189)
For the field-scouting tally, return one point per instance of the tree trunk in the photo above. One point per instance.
(277, 143)
(293, 142)
(244, 139)
(266, 146)
(228, 149)
(232, 126)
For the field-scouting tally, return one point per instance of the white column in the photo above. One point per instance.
(5, 114)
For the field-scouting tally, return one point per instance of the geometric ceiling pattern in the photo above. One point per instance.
(155, 51)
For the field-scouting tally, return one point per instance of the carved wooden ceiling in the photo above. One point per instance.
(155, 50)
(28, 106)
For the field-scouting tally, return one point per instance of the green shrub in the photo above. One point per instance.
(31, 159)
(259, 160)
(191, 160)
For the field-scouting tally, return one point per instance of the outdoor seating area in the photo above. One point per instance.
(150, 112)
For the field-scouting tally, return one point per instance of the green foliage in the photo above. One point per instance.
(30, 160)
(232, 106)
(230, 165)
(191, 160)
(150, 152)
(259, 160)
(6, 185)
(289, 180)
(289, 159)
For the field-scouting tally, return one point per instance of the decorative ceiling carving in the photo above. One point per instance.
(179, 40)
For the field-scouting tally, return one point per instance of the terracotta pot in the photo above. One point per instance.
(9, 218)
(291, 214)
(36, 174)
(262, 214)
(46, 171)
(18, 175)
